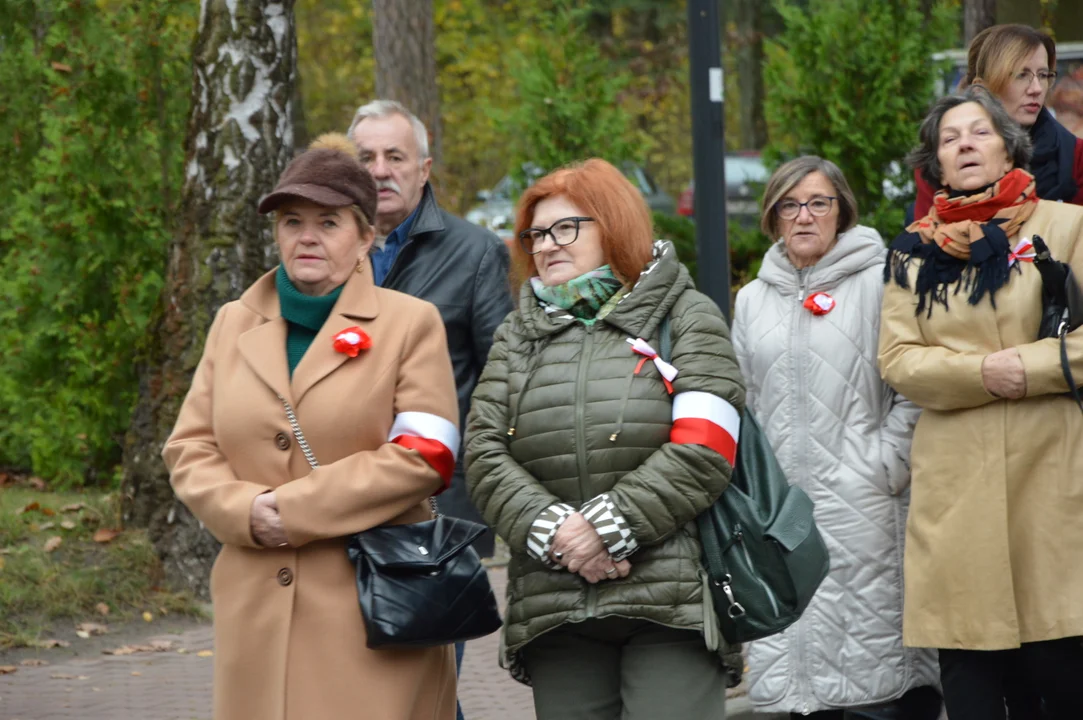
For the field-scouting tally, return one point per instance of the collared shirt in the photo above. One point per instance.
(383, 255)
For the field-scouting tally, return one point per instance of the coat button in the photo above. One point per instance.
(282, 441)
(285, 577)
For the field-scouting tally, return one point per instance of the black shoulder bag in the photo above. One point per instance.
(1062, 306)
(420, 584)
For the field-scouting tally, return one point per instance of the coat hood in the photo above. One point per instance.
(857, 249)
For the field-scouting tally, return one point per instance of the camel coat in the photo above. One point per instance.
(289, 638)
(994, 542)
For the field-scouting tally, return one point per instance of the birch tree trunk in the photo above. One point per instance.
(404, 45)
(239, 138)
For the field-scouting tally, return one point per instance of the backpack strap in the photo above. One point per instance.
(665, 340)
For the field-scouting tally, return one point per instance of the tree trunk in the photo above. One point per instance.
(1068, 23)
(977, 15)
(1024, 12)
(239, 138)
(404, 45)
(753, 126)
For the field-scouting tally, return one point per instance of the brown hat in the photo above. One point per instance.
(328, 174)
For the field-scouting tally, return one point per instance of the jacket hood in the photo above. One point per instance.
(857, 250)
(637, 313)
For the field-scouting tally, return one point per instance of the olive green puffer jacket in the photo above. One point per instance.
(584, 424)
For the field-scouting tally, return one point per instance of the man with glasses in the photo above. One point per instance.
(425, 251)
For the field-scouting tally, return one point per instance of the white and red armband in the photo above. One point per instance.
(701, 418)
(435, 438)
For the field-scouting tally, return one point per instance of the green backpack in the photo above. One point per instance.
(763, 554)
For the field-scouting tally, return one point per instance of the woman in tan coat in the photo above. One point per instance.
(368, 374)
(994, 544)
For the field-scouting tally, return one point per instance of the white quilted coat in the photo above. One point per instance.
(843, 436)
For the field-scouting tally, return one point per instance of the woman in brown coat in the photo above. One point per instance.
(368, 374)
(994, 543)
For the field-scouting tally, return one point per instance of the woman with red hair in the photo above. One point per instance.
(605, 421)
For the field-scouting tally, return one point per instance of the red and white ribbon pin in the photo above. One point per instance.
(640, 347)
(1024, 252)
(819, 303)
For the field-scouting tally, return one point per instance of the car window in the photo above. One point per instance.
(741, 170)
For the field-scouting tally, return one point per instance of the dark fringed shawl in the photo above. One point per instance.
(964, 241)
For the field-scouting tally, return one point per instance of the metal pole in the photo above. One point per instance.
(708, 147)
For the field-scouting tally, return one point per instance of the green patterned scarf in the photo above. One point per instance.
(588, 297)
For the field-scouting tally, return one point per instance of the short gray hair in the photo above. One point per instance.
(387, 108)
(789, 175)
(924, 158)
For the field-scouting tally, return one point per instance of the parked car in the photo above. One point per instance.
(497, 208)
(744, 172)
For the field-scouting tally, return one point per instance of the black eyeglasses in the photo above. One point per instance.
(564, 232)
(818, 206)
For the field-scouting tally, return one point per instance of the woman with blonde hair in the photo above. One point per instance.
(1018, 64)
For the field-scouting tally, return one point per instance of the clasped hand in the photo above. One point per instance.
(1003, 374)
(266, 522)
(578, 547)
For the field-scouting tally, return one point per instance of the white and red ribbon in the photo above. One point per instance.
(641, 347)
(700, 418)
(435, 438)
(1023, 252)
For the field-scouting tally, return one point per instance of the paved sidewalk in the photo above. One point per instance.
(173, 685)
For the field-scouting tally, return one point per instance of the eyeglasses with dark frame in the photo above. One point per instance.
(564, 232)
(818, 206)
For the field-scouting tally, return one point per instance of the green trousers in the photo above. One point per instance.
(622, 669)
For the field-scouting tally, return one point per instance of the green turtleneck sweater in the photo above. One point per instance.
(304, 315)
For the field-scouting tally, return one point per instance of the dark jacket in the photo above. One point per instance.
(586, 423)
(1057, 166)
(462, 269)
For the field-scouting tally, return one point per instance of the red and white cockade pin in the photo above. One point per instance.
(1024, 251)
(352, 341)
(640, 347)
(819, 303)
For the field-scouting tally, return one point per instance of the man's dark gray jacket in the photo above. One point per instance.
(462, 269)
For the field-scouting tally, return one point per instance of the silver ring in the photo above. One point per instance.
(558, 555)
(611, 572)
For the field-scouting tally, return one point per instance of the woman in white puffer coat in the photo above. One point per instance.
(806, 333)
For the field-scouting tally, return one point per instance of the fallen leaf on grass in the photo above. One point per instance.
(50, 643)
(82, 633)
(161, 645)
(105, 535)
(48, 512)
(74, 507)
(34, 662)
(29, 507)
(36, 483)
(7, 669)
(46, 526)
(52, 543)
(102, 608)
(205, 653)
(92, 628)
(148, 617)
(68, 525)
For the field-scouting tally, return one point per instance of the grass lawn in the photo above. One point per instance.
(62, 563)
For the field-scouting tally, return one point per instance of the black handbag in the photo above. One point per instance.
(762, 552)
(1062, 306)
(419, 584)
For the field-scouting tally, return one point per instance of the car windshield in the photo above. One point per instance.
(741, 170)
